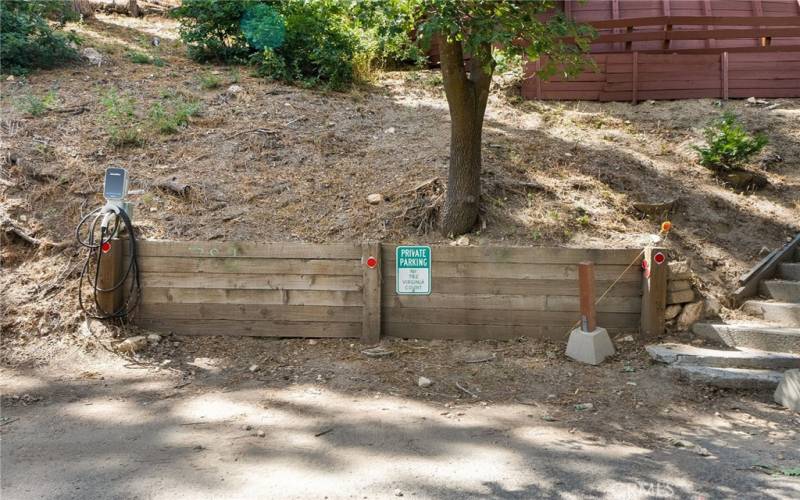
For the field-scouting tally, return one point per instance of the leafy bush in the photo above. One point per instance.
(328, 42)
(321, 45)
(120, 119)
(729, 146)
(387, 26)
(212, 29)
(27, 40)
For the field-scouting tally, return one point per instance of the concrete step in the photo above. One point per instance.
(681, 354)
(789, 271)
(729, 378)
(751, 335)
(782, 290)
(782, 313)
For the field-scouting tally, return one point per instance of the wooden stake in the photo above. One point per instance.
(654, 295)
(586, 287)
(371, 320)
(110, 274)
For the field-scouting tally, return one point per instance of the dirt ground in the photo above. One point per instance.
(194, 418)
(270, 162)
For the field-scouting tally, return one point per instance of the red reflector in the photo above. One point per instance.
(644, 264)
(659, 258)
(372, 262)
(106, 247)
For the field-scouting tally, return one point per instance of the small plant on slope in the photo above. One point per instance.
(120, 119)
(729, 146)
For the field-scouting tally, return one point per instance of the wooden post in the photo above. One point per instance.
(371, 316)
(635, 82)
(586, 287)
(724, 69)
(654, 294)
(110, 274)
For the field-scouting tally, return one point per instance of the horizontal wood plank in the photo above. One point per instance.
(507, 286)
(249, 249)
(500, 317)
(521, 271)
(251, 281)
(252, 328)
(228, 265)
(482, 332)
(246, 296)
(606, 304)
(698, 21)
(524, 255)
(508, 302)
(240, 312)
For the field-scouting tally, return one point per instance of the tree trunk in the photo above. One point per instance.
(133, 8)
(467, 94)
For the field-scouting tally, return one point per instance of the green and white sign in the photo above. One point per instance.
(413, 270)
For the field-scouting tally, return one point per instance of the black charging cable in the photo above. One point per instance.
(95, 260)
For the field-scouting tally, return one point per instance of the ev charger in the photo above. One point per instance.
(115, 189)
(114, 216)
(115, 186)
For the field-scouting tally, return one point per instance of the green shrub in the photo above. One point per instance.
(35, 105)
(210, 81)
(729, 146)
(327, 42)
(27, 40)
(388, 25)
(142, 58)
(212, 29)
(120, 119)
(139, 58)
(170, 118)
(320, 47)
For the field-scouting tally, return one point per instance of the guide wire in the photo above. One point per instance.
(104, 216)
(634, 261)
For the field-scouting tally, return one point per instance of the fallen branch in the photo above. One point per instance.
(467, 390)
(172, 184)
(9, 227)
(251, 131)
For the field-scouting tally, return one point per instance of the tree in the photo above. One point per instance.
(477, 28)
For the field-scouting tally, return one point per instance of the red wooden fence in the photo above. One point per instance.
(677, 49)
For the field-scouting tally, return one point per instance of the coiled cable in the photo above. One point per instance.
(97, 249)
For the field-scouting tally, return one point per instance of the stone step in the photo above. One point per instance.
(681, 354)
(729, 378)
(789, 271)
(782, 290)
(782, 313)
(751, 336)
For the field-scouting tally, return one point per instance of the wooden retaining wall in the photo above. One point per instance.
(327, 290)
(258, 289)
(487, 292)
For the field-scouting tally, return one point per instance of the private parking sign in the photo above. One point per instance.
(413, 266)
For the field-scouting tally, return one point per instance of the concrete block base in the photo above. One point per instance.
(788, 391)
(590, 347)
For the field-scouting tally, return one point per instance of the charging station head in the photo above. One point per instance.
(115, 186)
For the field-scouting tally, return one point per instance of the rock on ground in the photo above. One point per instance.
(691, 314)
(788, 391)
